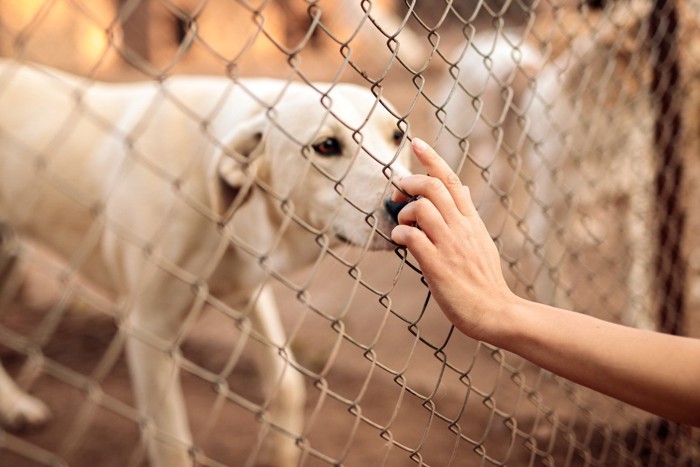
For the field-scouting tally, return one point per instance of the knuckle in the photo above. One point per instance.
(435, 184)
(453, 180)
(421, 205)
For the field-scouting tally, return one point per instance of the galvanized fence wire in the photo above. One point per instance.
(551, 114)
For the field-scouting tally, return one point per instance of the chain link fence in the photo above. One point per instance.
(574, 124)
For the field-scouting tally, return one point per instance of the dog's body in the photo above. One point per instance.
(164, 194)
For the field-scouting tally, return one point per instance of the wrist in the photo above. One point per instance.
(502, 322)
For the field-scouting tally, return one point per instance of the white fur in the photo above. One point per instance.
(128, 181)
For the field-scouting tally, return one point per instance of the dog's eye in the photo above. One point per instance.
(397, 136)
(328, 147)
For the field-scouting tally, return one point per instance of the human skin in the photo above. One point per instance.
(656, 372)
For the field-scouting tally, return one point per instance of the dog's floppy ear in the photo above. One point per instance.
(234, 167)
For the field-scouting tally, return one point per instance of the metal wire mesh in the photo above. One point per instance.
(556, 115)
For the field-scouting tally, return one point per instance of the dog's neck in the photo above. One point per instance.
(264, 241)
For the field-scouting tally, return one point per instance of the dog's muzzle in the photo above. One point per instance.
(394, 207)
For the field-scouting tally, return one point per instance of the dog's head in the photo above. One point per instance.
(326, 161)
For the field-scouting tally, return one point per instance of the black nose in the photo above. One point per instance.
(393, 208)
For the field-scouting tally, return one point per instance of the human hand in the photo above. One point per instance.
(445, 234)
(462, 267)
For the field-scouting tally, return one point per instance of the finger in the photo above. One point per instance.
(423, 214)
(415, 240)
(399, 196)
(434, 190)
(438, 168)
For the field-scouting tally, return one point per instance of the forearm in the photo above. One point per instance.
(656, 372)
(653, 371)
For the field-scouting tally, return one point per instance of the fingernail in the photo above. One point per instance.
(419, 144)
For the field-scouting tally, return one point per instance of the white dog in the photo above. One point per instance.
(166, 194)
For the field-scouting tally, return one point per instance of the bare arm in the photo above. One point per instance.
(653, 371)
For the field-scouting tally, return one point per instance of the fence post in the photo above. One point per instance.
(668, 138)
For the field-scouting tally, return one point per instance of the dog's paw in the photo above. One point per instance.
(24, 412)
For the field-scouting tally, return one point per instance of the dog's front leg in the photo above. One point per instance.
(282, 384)
(17, 408)
(155, 378)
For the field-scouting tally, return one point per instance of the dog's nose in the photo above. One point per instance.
(393, 208)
